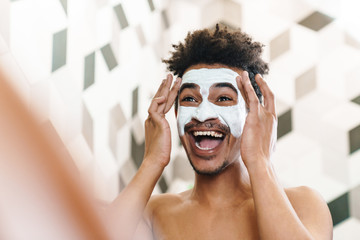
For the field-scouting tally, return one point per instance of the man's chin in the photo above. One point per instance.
(210, 172)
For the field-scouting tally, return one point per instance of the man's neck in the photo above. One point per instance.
(228, 188)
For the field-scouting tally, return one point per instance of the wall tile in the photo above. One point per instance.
(59, 49)
(339, 208)
(121, 17)
(316, 21)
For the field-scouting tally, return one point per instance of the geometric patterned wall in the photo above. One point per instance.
(90, 67)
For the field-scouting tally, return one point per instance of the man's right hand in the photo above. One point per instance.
(157, 129)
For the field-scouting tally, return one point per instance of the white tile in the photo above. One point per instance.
(3, 45)
(334, 70)
(32, 37)
(338, 122)
(137, 127)
(5, 21)
(212, 13)
(290, 10)
(80, 152)
(16, 76)
(40, 100)
(348, 229)
(308, 111)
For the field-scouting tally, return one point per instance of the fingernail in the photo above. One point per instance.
(168, 76)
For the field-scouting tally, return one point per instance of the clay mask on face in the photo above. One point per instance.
(231, 116)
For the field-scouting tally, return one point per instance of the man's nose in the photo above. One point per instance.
(205, 112)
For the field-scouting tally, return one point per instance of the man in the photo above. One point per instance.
(228, 130)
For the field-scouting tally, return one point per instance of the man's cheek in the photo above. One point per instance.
(234, 118)
(185, 114)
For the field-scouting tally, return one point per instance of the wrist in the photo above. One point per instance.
(259, 166)
(152, 164)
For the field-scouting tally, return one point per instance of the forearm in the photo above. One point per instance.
(276, 217)
(127, 209)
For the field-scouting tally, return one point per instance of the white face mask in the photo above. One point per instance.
(231, 116)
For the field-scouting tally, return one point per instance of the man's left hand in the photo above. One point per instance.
(260, 130)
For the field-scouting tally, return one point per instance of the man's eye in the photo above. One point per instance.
(188, 99)
(223, 99)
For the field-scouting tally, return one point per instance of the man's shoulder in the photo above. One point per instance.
(307, 201)
(303, 193)
(167, 200)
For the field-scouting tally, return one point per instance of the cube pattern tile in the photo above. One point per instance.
(109, 57)
(151, 5)
(59, 49)
(316, 21)
(89, 70)
(339, 208)
(121, 17)
(88, 127)
(284, 123)
(137, 151)
(313, 71)
(354, 137)
(356, 100)
(280, 45)
(305, 83)
(117, 120)
(64, 5)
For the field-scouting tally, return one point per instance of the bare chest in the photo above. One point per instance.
(191, 223)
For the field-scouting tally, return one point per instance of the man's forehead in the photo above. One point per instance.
(206, 78)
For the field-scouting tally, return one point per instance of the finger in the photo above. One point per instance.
(253, 100)
(155, 104)
(173, 94)
(269, 98)
(243, 94)
(165, 93)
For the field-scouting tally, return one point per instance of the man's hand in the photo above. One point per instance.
(259, 133)
(157, 129)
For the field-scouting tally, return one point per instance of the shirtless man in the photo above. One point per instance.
(228, 131)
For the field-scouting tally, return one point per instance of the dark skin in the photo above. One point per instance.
(245, 200)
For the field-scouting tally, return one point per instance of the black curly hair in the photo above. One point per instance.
(230, 47)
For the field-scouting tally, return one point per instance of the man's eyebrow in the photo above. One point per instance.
(187, 85)
(224, 84)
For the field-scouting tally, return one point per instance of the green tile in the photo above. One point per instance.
(163, 185)
(354, 139)
(121, 17)
(339, 209)
(284, 124)
(87, 127)
(59, 49)
(109, 57)
(151, 5)
(165, 19)
(356, 100)
(64, 5)
(137, 151)
(135, 101)
(89, 70)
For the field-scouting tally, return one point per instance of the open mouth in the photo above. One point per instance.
(207, 140)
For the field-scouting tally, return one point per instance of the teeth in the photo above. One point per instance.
(208, 133)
